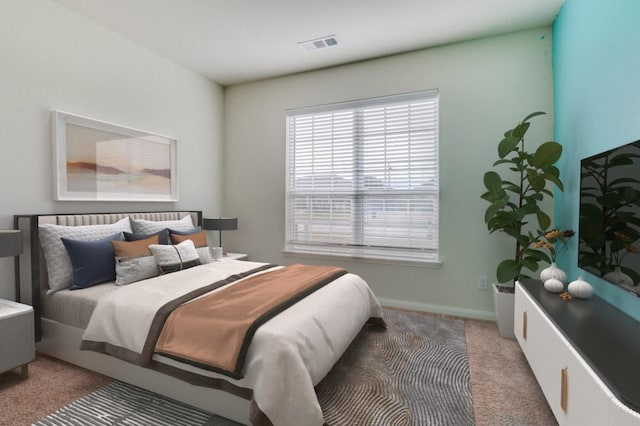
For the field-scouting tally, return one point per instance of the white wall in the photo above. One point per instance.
(486, 86)
(52, 58)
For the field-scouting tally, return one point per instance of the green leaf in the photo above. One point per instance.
(538, 254)
(554, 179)
(538, 183)
(513, 232)
(493, 209)
(530, 262)
(553, 171)
(488, 196)
(528, 208)
(546, 155)
(520, 130)
(503, 161)
(510, 186)
(508, 270)
(543, 220)
(493, 182)
(533, 114)
(507, 145)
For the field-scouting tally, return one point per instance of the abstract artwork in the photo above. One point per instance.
(100, 161)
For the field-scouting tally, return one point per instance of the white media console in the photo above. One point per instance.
(584, 353)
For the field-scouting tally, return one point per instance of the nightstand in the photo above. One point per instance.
(17, 342)
(237, 256)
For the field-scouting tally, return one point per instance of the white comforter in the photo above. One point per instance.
(288, 355)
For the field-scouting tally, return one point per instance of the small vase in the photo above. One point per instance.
(580, 289)
(553, 272)
(554, 285)
(619, 277)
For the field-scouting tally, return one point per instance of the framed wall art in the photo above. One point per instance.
(99, 161)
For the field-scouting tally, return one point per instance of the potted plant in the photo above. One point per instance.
(514, 209)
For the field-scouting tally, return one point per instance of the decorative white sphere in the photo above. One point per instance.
(580, 289)
(553, 272)
(554, 285)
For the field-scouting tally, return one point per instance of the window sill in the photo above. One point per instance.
(431, 263)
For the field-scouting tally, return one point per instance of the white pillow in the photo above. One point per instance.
(56, 257)
(176, 257)
(141, 226)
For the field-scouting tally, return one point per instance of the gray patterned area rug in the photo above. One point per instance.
(122, 404)
(415, 373)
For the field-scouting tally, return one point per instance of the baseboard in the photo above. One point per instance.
(438, 309)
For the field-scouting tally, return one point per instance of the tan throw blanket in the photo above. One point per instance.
(214, 331)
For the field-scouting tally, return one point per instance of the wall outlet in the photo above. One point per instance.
(482, 282)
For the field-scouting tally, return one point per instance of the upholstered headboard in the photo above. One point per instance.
(30, 267)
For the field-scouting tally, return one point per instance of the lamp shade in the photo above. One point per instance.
(220, 224)
(10, 242)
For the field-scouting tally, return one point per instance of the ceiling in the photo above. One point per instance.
(235, 41)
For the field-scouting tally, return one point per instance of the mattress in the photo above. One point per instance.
(74, 307)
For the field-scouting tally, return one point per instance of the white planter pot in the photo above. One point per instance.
(503, 303)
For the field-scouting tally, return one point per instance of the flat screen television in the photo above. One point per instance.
(609, 228)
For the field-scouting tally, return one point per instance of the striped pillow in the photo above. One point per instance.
(175, 257)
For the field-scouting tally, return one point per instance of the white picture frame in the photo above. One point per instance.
(100, 161)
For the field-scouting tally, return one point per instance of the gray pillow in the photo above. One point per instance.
(135, 269)
(141, 226)
(55, 255)
(134, 261)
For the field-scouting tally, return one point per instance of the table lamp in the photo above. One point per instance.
(220, 224)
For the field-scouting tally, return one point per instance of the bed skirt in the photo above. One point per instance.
(59, 341)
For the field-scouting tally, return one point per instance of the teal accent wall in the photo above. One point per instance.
(596, 69)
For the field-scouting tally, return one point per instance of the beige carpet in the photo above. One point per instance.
(505, 391)
(51, 385)
(503, 387)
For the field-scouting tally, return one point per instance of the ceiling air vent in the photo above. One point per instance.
(319, 43)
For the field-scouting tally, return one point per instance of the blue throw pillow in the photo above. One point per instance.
(189, 232)
(163, 236)
(93, 262)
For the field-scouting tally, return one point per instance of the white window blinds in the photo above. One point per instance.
(362, 178)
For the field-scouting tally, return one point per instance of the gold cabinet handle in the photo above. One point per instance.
(564, 392)
(524, 325)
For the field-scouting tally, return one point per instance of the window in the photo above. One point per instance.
(362, 178)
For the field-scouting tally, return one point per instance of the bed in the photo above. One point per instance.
(288, 356)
